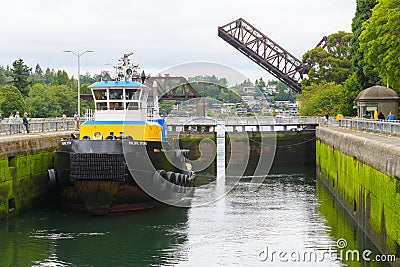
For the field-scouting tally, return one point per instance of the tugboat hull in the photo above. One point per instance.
(105, 176)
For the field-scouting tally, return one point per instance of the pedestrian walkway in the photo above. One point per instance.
(382, 138)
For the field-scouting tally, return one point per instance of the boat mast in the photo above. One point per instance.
(156, 108)
(126, 71)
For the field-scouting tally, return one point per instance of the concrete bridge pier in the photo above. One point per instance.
(238, 128)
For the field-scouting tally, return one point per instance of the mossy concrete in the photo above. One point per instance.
(24, 161)
(343, 227)
(361, 170)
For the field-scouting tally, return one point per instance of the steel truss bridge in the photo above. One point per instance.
(266, 53)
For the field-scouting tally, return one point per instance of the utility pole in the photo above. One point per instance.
(78, 55)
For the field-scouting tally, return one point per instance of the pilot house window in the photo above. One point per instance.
(132, 94)
(116, 106)
(116, 94)
(100, 94)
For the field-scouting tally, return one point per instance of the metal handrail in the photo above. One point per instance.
(36, 126)
(375, 126)
(40, 125)
(244, 120)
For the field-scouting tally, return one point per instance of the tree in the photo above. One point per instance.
(348, 94)
(48, 77)
(365, 74)
(332, 65)
(38, 70)
(87, 79)
(338, 44)
(3, 79)
(246, 83)
(319, 98)
(11, 100)
(42, 102)
(260, 83)
(379, 41)
(66, 98)
(212, 86)
(61, 78)
(20, 74)
(284, 93)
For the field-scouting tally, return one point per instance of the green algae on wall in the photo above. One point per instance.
(23, 180)
(371, 196)
(343, 227)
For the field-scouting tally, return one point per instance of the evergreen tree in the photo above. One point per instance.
(38, 70)
(61, 78)
(20, 74)
(3, 80)
(48, 77)
(260, 83)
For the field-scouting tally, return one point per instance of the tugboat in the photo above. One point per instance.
(122, 160)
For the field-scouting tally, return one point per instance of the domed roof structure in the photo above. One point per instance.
(377, 93)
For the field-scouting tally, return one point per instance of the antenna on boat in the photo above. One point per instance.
(126, 70)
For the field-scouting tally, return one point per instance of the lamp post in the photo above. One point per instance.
(78, 55)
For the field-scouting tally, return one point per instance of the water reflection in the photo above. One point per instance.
(51, 238)
(281, 214)
(289, 212)
(343, 227)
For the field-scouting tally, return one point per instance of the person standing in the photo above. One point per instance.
(25, 122)
(381, 116)
(390, 117)
(326, 118)
(11, 122)
(76, 121)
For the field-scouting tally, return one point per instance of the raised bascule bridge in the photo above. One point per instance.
(266, 53)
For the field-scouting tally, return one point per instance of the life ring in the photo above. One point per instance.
(51, 177)
(97, 136)
(86, 137)
(110, 137)
(160, 179)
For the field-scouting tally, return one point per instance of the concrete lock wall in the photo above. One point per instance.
(24, 161)
(364, 175)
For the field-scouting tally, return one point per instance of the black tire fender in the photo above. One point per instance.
(171, 177)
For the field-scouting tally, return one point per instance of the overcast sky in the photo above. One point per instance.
(160, 33)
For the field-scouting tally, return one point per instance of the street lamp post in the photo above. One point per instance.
(78, 55)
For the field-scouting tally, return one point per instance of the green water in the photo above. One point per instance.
(288, 212)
